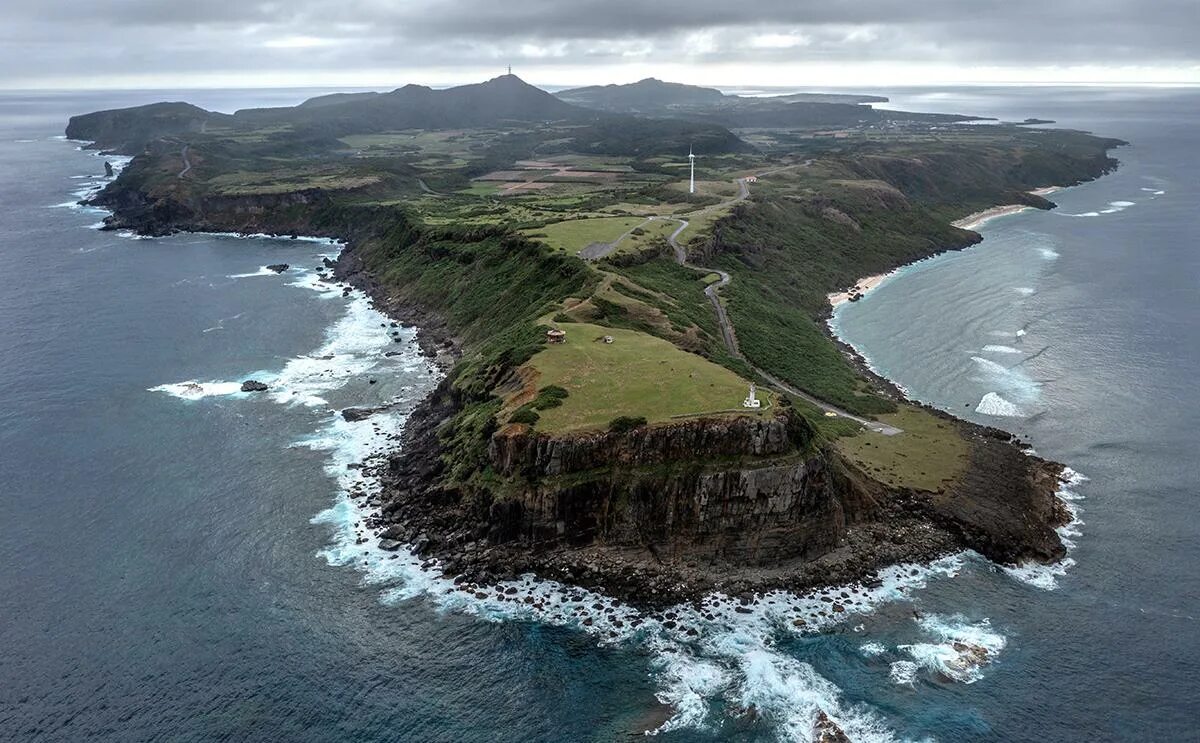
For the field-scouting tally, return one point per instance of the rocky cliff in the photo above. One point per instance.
(671, 512)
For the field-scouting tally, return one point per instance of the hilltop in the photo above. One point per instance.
(653, 97)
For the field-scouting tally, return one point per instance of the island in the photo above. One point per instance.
(642, 394)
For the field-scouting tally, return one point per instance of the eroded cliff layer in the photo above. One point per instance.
(671, 512)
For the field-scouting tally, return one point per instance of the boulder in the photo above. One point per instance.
(108, 169)
(253, 385)
(390, 545)
(357, 414)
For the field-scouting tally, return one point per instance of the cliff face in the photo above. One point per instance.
(741, 490)
(162, 214)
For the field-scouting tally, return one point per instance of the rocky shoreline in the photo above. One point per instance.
(869, 527)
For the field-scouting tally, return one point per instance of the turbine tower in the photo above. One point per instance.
(692, 160)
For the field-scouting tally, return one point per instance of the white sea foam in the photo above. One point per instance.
(1048, 253)
(1024, 291)
(1020, 332)
(197, 390)
(872, 649)
(1009, 382)
(994, 348)
(1046, 577)
(960, 651)
(262, 271)
(904, 672)
(995, 405)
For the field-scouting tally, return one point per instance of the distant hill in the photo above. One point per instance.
(644, 96)
(652, 97)
(128, 129)
(503, 99)
(505, 102)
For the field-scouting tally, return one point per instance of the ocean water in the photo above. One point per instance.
(179, 560)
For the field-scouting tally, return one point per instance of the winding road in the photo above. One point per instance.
(712, 291)
(187, 164)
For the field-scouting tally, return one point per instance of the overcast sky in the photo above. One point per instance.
(386, 43)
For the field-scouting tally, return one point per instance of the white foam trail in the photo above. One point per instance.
(1012, 383)
(995, 405)
(354, 347)
(960, 653)
(1020, 332)
(995, 348)
(1024, 291)
(196, 390)
(262, 271)
(1048, 253)
(327, 288)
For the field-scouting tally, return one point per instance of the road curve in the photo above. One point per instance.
(187, 164)
(712, 291)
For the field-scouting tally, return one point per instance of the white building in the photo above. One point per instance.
(752, 401)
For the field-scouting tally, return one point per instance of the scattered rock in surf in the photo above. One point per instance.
(390, 545)
(253, 385)
(354, 415)
(827, 731)
(108, 169)
(278, 267)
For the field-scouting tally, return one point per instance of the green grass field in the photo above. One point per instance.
(652, 230)
(927, 455)
(574, 234)
(636, 375)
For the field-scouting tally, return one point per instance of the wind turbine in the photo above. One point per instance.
(692, 160)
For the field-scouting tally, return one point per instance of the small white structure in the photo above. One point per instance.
(692, 181)
(752, 401)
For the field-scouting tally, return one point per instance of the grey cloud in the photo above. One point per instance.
(65, 38)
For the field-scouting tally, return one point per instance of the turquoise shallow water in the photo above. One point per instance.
(179, 564)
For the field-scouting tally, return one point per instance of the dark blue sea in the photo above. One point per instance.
(179, 561)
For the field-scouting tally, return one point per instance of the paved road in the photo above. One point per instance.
(187, 164)
(596, 251)
(712, 291)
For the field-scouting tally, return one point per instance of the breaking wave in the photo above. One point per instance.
(960, 650)
(995, 405)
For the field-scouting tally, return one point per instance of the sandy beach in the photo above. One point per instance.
(862, 286)
(978, 219)
(969, 222)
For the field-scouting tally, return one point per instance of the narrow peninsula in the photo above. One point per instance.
(603, 316)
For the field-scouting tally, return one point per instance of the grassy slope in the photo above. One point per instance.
(636, 375)
(575, 234)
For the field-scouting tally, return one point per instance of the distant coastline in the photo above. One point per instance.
(972, 221)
